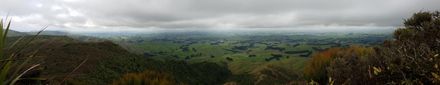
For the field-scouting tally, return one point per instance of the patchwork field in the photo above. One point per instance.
(242, 53)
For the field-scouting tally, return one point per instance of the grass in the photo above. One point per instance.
(12, 68)
(241, 62)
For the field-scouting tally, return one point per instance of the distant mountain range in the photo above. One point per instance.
(16, 33)
(58, 33)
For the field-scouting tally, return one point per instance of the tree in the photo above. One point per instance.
(421, 28)
(413, 57)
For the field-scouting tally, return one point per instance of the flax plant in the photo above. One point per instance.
(13, 68)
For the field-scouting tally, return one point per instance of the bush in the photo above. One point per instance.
(273, 75)
(198, 73)
(350, 65)
(412, 58)
(315, 68)
(145, 78)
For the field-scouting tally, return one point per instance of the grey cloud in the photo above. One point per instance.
(201, 14)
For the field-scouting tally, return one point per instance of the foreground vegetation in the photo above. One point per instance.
(412, 58)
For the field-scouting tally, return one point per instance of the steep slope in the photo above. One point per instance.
(59, 55)
(106, 61)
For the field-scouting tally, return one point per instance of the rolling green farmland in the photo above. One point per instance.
(242, 53)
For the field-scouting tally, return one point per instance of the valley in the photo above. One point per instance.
(242, 53)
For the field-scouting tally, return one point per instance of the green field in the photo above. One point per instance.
(242, 53)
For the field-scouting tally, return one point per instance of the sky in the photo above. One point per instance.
(150, 15)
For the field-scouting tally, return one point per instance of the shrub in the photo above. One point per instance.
(273, 75)
(412, 58)
(350, 65)
(194, 74)
(315, 68)
(145, 78)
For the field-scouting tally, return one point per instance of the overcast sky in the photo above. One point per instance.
(136, 15)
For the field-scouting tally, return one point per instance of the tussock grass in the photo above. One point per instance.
(13, 68)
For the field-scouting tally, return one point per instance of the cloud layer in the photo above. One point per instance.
(101, 15)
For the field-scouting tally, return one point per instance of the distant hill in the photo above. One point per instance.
(78, 37)
(16, 33)
(60, 54)
(58, 33)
